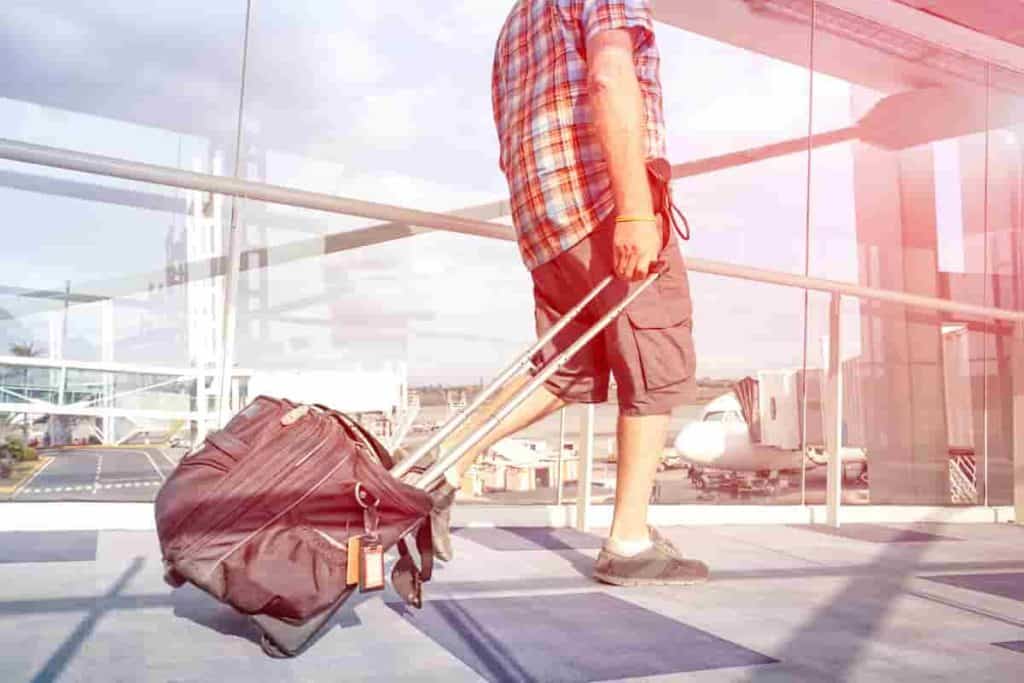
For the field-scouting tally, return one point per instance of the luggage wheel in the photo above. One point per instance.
(271, 649)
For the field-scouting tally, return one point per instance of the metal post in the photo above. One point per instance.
(585, 466)
(107, 354)
(834, 387)
(234, 243)
(561, 453)
(62, 385)
(230, 308)
(202, 405)
(1017, 361)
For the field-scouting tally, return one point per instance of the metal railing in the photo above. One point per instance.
(245, 189)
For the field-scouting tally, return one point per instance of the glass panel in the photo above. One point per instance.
(111, 293)
(898, 168)
(999, 253)
(737, 120)
(110, 309)
(916, 187)
(157, 84)
(379, 101)
(741, 441)
(398, 330)
(913, 392)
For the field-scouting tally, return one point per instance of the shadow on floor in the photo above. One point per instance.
(838, 633)
(203, 610)
(60, 659)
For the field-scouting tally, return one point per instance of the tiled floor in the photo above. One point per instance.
(896, 602)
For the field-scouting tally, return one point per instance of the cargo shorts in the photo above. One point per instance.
(648, 349)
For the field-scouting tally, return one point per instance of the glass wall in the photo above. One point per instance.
(114, 301)
(913, 198)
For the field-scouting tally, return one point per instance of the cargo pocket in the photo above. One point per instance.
(661, 326)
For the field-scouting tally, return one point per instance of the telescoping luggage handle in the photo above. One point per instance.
(437, 470)
(517, 365)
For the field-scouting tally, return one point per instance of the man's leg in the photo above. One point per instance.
(538, 405)
(641, 439)
(650, 350)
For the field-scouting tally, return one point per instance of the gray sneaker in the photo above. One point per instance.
(656, 566)
(664, 543)
(441, 519)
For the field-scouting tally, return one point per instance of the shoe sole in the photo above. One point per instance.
(633, 581)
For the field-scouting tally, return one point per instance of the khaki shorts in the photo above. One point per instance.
(648, 349)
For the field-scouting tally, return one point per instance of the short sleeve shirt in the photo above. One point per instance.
(550, 153)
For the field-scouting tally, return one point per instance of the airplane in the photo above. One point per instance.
(720, 452)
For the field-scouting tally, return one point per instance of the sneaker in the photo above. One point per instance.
(656, 566)
(441, 519)
(664, 543)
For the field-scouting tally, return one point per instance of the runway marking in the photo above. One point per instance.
(165, 457)
(151, 462)
(93, 487)
(28, 481)
(99, 467)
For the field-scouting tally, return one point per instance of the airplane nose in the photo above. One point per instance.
(701, 442)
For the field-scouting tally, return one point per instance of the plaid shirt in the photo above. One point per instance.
(550, 154)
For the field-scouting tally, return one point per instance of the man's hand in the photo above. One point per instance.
(636, 246)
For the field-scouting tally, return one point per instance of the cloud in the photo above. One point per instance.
(392, 119)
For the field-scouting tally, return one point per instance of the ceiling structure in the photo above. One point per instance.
(888, 45)
(1002, 19)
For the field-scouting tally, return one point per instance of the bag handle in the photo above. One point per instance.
(360, 433)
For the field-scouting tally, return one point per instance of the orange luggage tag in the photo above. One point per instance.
(370, 551)
(352, 574)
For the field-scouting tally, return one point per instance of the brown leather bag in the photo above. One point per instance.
(261, 515)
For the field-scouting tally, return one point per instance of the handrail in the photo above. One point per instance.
(236, 187)
(162, 175)
(848, 289)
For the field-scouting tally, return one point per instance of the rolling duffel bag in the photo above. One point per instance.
(290, 508)
(263, 514)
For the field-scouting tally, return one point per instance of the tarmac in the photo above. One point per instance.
(925, 602)
(99, 474)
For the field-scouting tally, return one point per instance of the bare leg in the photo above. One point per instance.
(641, 440)
(539, 404)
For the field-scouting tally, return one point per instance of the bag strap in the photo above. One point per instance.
(360, 433)
(661, 172)
(425, 548)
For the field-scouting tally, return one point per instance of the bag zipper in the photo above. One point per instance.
(255, 486)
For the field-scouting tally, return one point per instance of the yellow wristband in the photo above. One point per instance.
(636, 219)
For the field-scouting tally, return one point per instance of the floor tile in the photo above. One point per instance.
(571, 637)
(1004, 584)
(47, 546)
(530, 538)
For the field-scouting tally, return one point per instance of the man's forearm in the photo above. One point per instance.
(617, 104)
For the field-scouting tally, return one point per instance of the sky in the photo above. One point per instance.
(388, 102)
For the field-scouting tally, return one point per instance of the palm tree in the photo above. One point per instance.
(25, 350)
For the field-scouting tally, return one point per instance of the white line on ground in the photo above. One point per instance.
(99, 467)
(151, 462)
(88, 487)
(165, 457)
(29, 480)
